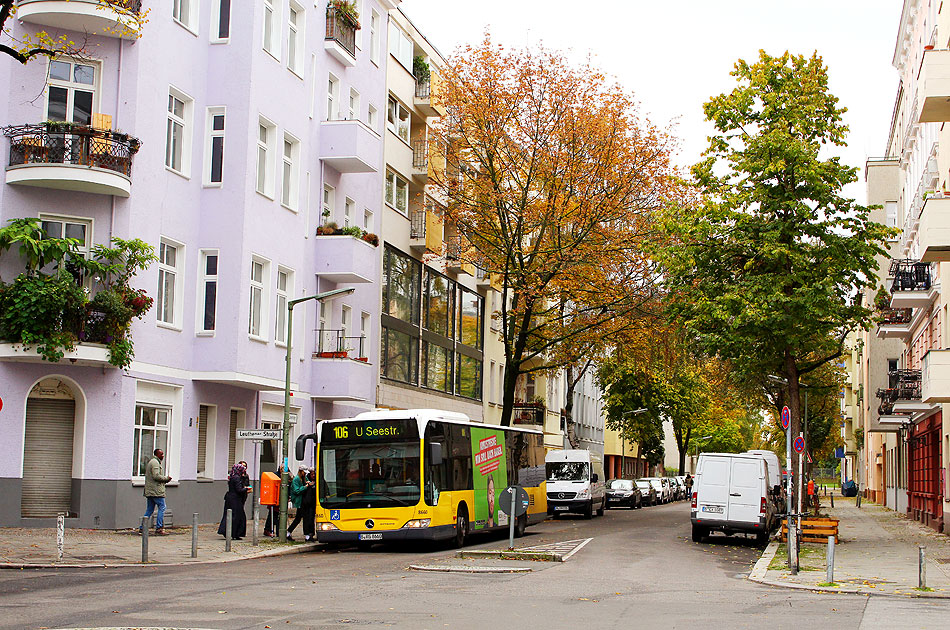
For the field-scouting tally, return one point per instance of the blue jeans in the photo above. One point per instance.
(152, 502)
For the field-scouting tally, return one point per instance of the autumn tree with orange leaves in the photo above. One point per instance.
(552, 179)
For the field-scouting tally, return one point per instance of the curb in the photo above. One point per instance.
(267, 553)
(542, 556)
(761, 568)
(451, 569)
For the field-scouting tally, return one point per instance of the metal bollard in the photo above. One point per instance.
(227, 531)
(194, 535)
(832, 499)
(60, 536)
(257, 515)
(858, 500)
(921, 567)
(145, 539)
(830, 561)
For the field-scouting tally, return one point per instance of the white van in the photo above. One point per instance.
(775, 478)
(731, 495)
(575, 480)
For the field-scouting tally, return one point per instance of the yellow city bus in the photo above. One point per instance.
(422, 474)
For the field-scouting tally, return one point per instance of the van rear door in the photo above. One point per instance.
(745, 491)
(712, 493)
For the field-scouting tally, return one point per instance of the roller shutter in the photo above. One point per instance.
(48, 457)
(202, 440)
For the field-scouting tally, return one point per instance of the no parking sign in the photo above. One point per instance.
(799, 444)
(786, 418)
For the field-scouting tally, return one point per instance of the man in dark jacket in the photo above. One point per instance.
(155, 490)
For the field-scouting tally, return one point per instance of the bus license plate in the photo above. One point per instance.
(374, 536)
(713, 509)
(561, 508)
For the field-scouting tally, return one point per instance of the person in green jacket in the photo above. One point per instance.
(155, 490)
(298, 487)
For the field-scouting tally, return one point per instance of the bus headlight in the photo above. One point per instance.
(417, 523)
(327, 527)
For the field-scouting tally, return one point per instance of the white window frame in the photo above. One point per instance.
(333, 97)
(372, 118)
(71, 86)
(138, 427)
(399, 44)
(346, 321)
(328, 203)
(190, 23)
(367, 219)
(365, 323)
(354, 105)
(393, 179)
(374, 22)
(290, 172)
(266, 148)
(164, 269)
(296, 31)
(211, 134)
(398, 118)
(186, 120)
(270, 25)
(281, 296)
(210, 433)
(261, 288)
(204, 278)
(216, 11)
(348, 208)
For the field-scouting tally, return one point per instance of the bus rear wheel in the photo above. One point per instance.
(520, 525)
(461, 528)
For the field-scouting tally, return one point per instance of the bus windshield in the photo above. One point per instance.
(369, 468)
(566, 471)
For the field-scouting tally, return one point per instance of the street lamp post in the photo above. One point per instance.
(696, 448)
(284, 472)
(623, 439)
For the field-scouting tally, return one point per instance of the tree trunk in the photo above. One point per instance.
(508, 396)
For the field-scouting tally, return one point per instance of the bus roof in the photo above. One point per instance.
(423, 416)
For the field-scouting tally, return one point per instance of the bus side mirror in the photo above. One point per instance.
(300, 447)
(435, 453)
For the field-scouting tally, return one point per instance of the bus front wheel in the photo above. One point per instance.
(461, 528)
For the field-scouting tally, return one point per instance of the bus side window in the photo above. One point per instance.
(435, 481)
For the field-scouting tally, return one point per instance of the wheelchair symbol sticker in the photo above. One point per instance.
(334, 515)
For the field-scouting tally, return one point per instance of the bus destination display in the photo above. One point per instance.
(383, 430)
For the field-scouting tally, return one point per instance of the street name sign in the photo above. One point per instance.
(259, 434)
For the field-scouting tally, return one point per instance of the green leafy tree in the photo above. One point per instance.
(763, 271)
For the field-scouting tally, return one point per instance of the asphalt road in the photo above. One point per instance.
(640, 570)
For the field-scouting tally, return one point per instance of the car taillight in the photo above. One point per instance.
(762, 507)
(694, 501)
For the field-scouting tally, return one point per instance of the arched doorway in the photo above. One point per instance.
(48, 450)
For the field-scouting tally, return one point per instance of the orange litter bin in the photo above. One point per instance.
(270, 489)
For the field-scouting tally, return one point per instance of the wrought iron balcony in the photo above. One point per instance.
(341, 35)
(116, 18)
(910, 275)
(335, 344)
(417, 224)
(453, 248)
(894, 316)
(528, 413)
(420, 155)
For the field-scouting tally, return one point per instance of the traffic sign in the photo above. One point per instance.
(799, 444)
(259, 434)
(521, 500)
(786, 418)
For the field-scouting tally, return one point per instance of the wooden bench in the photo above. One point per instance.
(816, 530)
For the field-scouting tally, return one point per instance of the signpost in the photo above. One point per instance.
(799, 444)
(259, 434)
(792, 540)
(513, 501)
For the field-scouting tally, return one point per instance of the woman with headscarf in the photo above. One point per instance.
(234, 499)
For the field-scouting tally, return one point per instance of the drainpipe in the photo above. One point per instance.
(115, 124)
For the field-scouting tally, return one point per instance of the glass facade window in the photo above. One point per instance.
(470, 318)
(468, 381)
(439, 302)
(401, 276)
(400, 356)
(438, 367)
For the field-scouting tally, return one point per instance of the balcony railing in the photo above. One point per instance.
(335, 344)
(910, 275)
(906, 387)
(528, 413)
(47, 143)
(135, 6)
(417, 223)
(453, 247)
(341, 28)
(896, 316)
(420, 154)
(423, 88)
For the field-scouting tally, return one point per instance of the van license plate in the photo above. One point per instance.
(561, 508)
(374, 536)
(713, 509)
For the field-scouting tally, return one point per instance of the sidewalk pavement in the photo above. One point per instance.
(28, 548)
(876, 554)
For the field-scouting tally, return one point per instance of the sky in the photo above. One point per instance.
(674, 55)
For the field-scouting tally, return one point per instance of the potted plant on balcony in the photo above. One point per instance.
(329, 229)
(352, 230)
(371, 238)
(420, 69)
(345, 9)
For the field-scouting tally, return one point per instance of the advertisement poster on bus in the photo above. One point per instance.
(490, 475)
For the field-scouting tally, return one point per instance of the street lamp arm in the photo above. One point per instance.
(320, 296)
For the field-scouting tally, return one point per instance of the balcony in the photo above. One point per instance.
(340, 40)
(341, 369)
(912, 285)
(935, 377)
(91, 334)
(423, 96)
(349, 146)
(346, 260)
(904, 397)
(934, 229)
(420, 160)
(483, 279)
(454, 261)
(528, 414)
(933, 86)
(896, 323)
(67, 156)
(425, 231)
(118, 18)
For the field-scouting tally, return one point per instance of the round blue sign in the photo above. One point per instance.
(799, 444)
(786, 417)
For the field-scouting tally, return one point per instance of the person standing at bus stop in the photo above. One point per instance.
(297, 488)
(155, 491)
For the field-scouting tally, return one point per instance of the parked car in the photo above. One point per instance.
(681, 480)
(678, 491)
(647, 492)
(732, 496)
(623, 493)
(662, 489)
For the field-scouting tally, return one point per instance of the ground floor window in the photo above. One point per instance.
(151, 432)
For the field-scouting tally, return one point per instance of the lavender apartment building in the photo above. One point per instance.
(259, 122)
